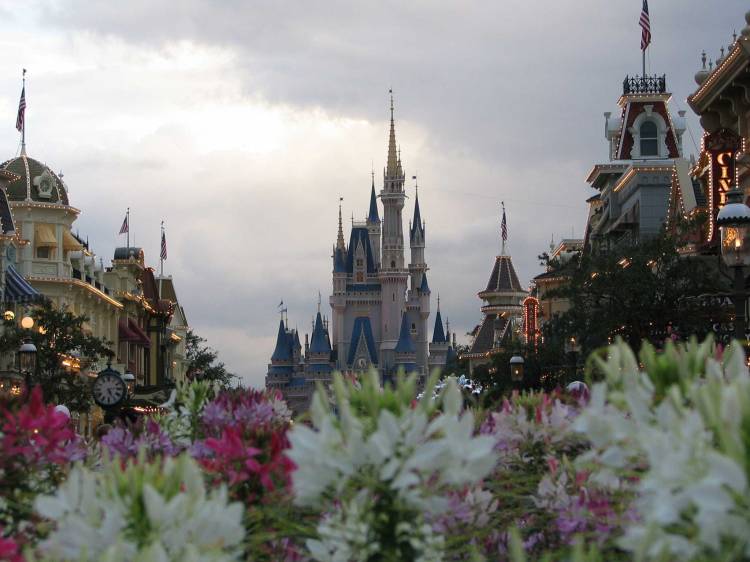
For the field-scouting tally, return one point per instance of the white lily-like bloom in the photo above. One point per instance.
(690, 441)
(95, 518)
(408, 456)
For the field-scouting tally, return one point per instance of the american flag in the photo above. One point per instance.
(645, 26)
(21, 111)
(504, 226)
(125, 226)
(163, 254)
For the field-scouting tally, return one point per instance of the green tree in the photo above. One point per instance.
(644, 292)
(57, 333)
(203, 361)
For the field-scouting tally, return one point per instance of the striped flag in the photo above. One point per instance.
(163, 254)
(125, 225)
(504, 226)
(20, 119)
(645, 23)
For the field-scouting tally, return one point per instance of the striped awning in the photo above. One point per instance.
(17, 289)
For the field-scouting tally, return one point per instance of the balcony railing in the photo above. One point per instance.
(644, 84)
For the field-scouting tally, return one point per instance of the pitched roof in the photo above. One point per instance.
(283, 351)
(416, 223)
(372, 216)
(485, 338)
(362, 236)
(424, 287)
(362, 328)
(503, 277)
(319, 343)
(405, 343)
(438, 335)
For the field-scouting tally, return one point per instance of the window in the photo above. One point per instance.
(42, 252)
(649, 139)
(393, 265)
(360, 278)
(360, 262)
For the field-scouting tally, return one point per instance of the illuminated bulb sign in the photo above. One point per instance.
(530, 314)
(722, 147)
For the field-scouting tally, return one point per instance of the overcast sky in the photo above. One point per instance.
(241, 123)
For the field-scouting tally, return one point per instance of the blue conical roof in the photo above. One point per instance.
(283, 350)
(416, 223)
(424, 287)
(405, 343)
(319, 343)
(438, 336)
(373, 214)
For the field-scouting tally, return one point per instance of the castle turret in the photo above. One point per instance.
(406, 352)
(440, 343)
(373, 224)
(393, 274)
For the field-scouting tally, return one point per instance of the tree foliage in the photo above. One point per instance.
(203, 361)
(57, 332)
(645, 292)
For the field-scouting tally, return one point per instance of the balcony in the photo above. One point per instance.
(644, 85)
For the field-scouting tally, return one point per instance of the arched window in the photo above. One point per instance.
(649, 139)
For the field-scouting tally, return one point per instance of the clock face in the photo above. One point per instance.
(360, 364)
(109, 390)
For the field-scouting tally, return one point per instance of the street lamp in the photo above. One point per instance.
(516, 368)
(27, 361)
(734, 221)
(129, 379)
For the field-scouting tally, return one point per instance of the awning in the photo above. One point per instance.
(70, 243)
(17, 289)
(130, 331)
(44, 236)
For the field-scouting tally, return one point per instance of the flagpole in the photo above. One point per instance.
(23, 129)
(161, 251)
(644, 62)
(128, 231)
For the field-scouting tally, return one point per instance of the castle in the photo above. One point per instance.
(380, 305)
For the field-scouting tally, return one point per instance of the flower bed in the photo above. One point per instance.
(654, 466)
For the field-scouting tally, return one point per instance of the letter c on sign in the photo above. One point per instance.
(721, 158)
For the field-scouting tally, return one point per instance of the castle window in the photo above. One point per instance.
(393, 265)
(360, 278)
(649, 139)
(360, 262)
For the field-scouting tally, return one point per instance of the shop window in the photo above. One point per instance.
(649, 139)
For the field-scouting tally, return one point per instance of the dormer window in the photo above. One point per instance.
(649, 137)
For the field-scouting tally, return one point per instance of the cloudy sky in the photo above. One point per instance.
(240, 123)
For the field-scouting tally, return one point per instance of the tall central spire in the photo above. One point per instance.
(340, 238)
(392, 169)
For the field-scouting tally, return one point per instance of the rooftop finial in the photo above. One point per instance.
(438, 302)
(703, 59)
(391, 93)
(319, 301)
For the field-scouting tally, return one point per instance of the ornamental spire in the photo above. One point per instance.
(392, 169)
(340, 238)
(372, 216)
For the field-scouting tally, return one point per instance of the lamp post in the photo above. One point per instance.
(27, 361)
(516, 368)
(734, 221)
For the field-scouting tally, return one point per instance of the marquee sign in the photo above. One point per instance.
(722, 147)
(530, 315)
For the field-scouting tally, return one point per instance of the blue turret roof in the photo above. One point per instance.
(361, 236)
(372, 216)
(319, 343)
(405, 343)
(424, 287)
(339, 260)
(362, 328)
(438, 336)
(283, 351)
(416, 223)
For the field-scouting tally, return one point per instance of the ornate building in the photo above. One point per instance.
(645, 161)
(380, 303)
(503, 310)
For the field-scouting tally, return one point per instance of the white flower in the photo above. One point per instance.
(92, 512)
